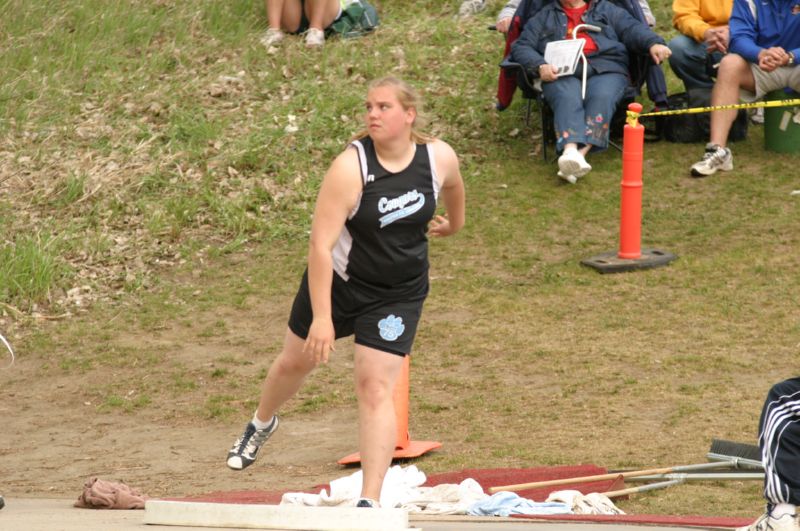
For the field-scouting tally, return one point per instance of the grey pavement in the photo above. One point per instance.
(58, 514)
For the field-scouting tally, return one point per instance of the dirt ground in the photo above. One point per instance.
(54, 438)
(57, 432)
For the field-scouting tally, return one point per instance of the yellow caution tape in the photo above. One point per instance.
(633, 117)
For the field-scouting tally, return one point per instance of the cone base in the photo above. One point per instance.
(414, 449)
(610, 262)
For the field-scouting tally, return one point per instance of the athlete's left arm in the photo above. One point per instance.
(451, 190)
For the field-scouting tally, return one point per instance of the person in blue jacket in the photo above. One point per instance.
(764, 48)
(583, 124)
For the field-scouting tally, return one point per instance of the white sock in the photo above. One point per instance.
(780, 509)
(260, 424)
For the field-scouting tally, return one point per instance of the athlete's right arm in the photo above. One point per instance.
(337, 197)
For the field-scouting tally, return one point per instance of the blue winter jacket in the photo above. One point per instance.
(620, 33)
(758, 24)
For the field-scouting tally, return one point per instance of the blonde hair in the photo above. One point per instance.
(409, 98)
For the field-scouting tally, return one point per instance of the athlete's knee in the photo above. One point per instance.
(373, 392)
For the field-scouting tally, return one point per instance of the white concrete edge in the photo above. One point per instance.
(284, 517)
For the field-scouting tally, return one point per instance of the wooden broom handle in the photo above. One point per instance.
(584, 479)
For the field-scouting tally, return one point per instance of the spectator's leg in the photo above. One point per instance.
(779, 438)
(734, 73)
(603, 94)
(689, 62)
(794, 79)
(284, 14)
(321, 13)
(564, 98)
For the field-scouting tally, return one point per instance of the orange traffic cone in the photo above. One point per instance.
(404, 447)
(630, 256)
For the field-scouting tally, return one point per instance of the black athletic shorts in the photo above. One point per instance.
(386, 325)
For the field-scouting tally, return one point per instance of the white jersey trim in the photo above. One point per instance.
(362, 163)
(341, 252)
(434, 175)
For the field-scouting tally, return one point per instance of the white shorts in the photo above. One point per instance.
(766, 82)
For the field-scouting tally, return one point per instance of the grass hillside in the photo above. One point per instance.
(158, 169)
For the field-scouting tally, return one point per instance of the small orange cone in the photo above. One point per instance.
(404, 447)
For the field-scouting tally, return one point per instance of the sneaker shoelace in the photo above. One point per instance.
(716, 155)
(245, 440)
(258, 437)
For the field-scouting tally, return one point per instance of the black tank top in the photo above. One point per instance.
(383, 245)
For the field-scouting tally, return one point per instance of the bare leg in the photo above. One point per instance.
(283, 14)
(734, 72)
(376, 373)
(285, 376)
(321, 13)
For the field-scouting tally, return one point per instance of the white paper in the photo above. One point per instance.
(564, 55)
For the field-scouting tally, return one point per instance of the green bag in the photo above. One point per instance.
(358, 18)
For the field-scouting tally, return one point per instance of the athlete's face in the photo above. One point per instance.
(385, 117)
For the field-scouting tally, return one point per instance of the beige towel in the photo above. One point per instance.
(102, 494)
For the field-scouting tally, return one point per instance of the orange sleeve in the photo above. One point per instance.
(686, 18)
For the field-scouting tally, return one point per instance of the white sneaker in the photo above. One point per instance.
(315, 37)
(571, 179)
(272, 37)
(757, 115)
(572, 162)
(715, 158)
(471, 7)
(786, 522)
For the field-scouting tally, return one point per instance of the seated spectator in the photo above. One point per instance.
(779, 440)
(764, 44)
(506, 15)
(582, 125)
(298, 16)
(703, 40)
(471, 7)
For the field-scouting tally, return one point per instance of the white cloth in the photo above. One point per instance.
(402, 487)
(592, 503)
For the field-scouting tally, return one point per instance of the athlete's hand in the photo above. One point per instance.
(439, 226)
(320, 340)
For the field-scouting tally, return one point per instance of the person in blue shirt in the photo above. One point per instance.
(764, 49)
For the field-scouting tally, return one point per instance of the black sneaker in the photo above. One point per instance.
(2, 502)
(366, 502)
(244, 450)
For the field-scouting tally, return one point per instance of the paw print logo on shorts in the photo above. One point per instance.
(391, 327)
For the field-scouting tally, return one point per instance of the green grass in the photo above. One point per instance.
(29, 268)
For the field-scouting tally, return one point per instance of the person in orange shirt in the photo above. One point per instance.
(703, 40)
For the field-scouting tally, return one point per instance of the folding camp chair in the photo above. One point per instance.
(513, 76)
